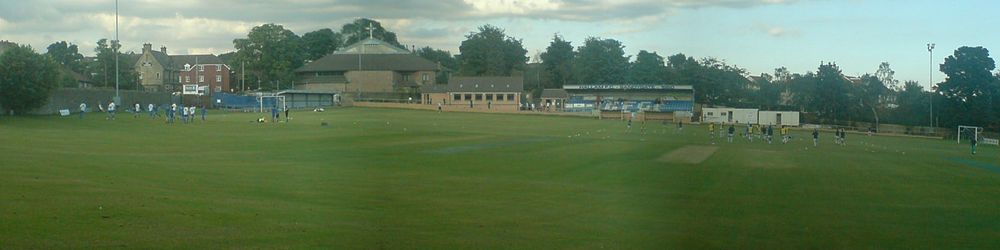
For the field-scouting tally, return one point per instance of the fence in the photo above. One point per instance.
(70, 98)
(391, 97)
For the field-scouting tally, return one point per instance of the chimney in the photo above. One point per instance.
(146, 48)
(163, 49)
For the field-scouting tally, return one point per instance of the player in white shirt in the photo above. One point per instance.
(111, 110)
(83, 109)
(172, 112)
(192, 113)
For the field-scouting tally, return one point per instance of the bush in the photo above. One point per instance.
(26, 79)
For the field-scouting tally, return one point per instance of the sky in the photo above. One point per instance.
(757, 35)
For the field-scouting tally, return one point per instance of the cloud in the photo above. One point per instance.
(189, 26)
(778, 31)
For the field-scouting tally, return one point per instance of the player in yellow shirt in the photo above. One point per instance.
(711, 130)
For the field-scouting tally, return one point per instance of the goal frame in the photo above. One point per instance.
(974, 130)
(281, 99)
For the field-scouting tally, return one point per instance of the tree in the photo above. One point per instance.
(885, 75)
(26, 79)
(832, 100)
(970, 86)
(648, 68)
(103, 69)
(557, 63)
(680, 68)
(768, 92)
(601, 61)
(319, 43)
(229, 58)
(490, 52)
(870, 95)
(358, 30)
(442, 57)
(271, 53)
(782, 75)
(720, 83)
(66, 54)
(913, 105)
(804, 90)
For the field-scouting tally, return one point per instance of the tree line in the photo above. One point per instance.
(270, 53)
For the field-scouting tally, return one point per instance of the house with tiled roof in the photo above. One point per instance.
(370, 65)
(160, 71)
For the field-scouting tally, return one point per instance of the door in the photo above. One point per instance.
(777, 118)
(729, 116)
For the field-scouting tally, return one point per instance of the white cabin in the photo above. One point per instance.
(729, 115)
(779, 118)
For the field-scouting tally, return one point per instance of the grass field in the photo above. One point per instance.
(383, 178)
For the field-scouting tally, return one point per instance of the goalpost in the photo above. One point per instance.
(278, 100)
(974, 132)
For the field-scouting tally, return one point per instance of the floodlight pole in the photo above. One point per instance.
(930, 81)
(117, 96)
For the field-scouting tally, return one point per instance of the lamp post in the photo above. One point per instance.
(930, 80)
(115, 46)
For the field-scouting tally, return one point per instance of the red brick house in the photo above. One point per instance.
(159, 71)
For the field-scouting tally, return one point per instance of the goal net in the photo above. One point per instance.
(266, 102)
(969, 132)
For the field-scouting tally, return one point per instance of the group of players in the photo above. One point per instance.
(751, 131)
(187, 114)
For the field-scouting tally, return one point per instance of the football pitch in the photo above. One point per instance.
(386, 178)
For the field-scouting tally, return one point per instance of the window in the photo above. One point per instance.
(458, 97)
(489, 97)
(468, 96)
(510, 97)
(187, 78)
(218, 68)
(201, 68)
(218, 88)
(479, 97)
(710, 114)
(406, 77)
(499, 97)
(425, 77)
(157, 76)
(179, 79)
(201, 79)
(218, 78)
(140, 75)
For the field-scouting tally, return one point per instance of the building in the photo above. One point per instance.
(477, 93)
(159, 71)
(81, 81)
(370, 65)
(309, 98)
(554, 99)
(781, 118)
(655, 102)
(205, 70)
(729, 115)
